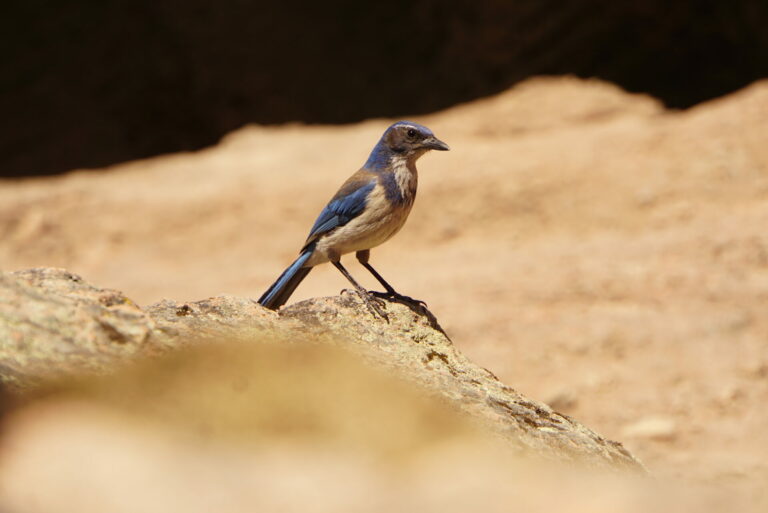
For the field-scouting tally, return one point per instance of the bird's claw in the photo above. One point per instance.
(373, 303)
(400, 297)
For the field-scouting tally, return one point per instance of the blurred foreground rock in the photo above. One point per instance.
(53, 324)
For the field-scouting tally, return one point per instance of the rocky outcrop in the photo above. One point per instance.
(53, 323)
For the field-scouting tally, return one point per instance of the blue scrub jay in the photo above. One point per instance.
(369, 208)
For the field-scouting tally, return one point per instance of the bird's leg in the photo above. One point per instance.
(363, 257)
(371, 302)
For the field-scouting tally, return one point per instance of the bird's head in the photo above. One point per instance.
(405, 140)
(405, 137)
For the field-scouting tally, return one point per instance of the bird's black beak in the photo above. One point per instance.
(433, 143)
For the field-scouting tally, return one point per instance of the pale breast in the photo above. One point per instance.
(400, 182)
(381, 219)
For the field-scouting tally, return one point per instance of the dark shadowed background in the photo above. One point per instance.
(89, 83)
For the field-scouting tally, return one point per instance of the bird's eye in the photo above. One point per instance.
(411, 133)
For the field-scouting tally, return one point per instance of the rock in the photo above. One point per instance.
(52, 321)
(212, 317)
(652, 428)
(415, 345)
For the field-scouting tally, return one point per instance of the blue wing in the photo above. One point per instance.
(347, 204)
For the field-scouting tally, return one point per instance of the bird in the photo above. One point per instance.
(368, 209)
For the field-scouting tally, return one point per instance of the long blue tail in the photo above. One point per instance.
(281, 290)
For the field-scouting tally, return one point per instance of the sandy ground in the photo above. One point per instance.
(591, 249)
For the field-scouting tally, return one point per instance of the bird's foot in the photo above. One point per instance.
(374, 304)
(399, 297)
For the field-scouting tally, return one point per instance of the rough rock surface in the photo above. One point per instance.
(51, 320)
